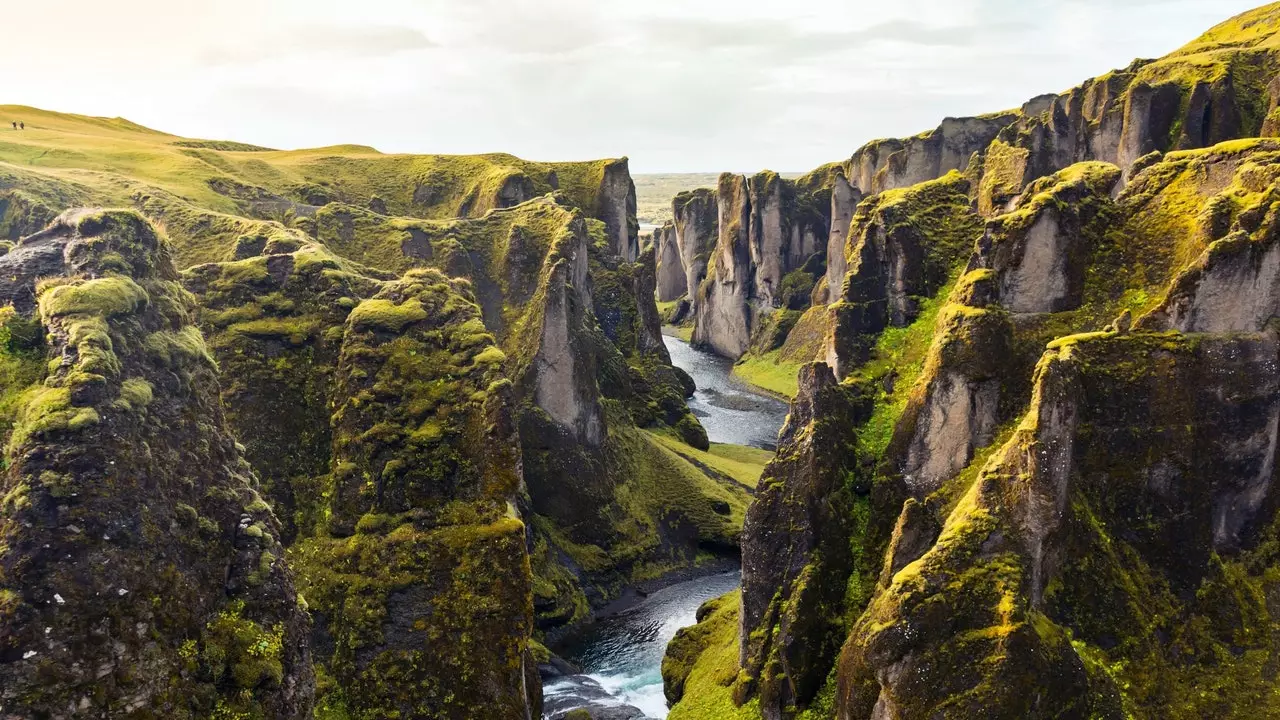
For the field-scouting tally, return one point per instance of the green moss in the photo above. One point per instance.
(1003, 174)
(491, 356)
(770, 372)
(105, 297)
(21, 365)
(705, 659)
(242, 651)
(386, 315)
(49, 409)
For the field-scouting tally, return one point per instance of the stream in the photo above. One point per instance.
(621, 656)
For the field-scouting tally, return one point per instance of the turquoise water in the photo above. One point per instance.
(623, 654)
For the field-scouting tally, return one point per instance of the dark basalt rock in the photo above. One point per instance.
(141, 574)
(795, 550)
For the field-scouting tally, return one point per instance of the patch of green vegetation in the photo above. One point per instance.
(105, 297)
(386, 315)
(743, 464)
(704, 660)
(209, 193)
(22, 364)
(770, 372)
(899, 356)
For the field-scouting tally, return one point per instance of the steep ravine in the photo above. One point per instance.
(621, 655)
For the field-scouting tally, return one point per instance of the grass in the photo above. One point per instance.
(189, 184)
(684, 332)
(770, 372)
(743, 464)
(708, 693)
(902, 351)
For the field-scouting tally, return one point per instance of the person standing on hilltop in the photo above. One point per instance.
(22, 126)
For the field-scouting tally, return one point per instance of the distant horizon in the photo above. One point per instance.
(676, 89)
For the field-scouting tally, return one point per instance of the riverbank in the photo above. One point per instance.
(619, 654)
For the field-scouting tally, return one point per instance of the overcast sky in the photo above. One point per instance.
(677, 85)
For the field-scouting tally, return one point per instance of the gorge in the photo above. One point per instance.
(981, 422)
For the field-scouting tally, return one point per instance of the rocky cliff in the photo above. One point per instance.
(1051, 492)
(769, 228)
(143, 574)
(697, 224)
(460, 428)
(1214, 89)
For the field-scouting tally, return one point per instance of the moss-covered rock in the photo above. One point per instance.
(1081, 559)
(799, 570)
(902, 247)
(143, 574)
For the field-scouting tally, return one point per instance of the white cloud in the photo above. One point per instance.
(717, 84)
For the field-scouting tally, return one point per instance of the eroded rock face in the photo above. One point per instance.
(768, 229)
(1021, 557)
(697, 230)
(562, 380)
(964, 380)
(1190, 99)
(1235, 285)
(890, 164)
(844, 202)
(724, 309)
(901, 246)
(1040, 252)
(796, 558)
(142, 572)
(673, 281)
(616, 206)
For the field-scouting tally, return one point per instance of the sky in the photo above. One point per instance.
(676, 85)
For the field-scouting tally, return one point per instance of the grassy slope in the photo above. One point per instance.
(743, 464)
(194, 186)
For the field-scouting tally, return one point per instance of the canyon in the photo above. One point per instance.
(345, 435)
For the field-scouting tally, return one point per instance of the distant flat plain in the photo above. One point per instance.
(654, 192)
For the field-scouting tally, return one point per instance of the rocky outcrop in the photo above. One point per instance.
(1044, 575)
(379, 412)
(902, 246)
(697, 229)
(891, 164)
(673, 281)
(724, 309)
(844, 203)
(1234, 286)
(143, 575)
(1040, 252)
(795, 550)
(769, 228)
(425, 469)
(957, 410)
(616, 207)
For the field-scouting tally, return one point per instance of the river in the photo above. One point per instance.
(621, 656)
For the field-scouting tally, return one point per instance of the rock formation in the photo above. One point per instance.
(697, 218)
(890, 164)
(901, 247)
(143, 574)
(768, 228)
(1057, 511)
(673, 282)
